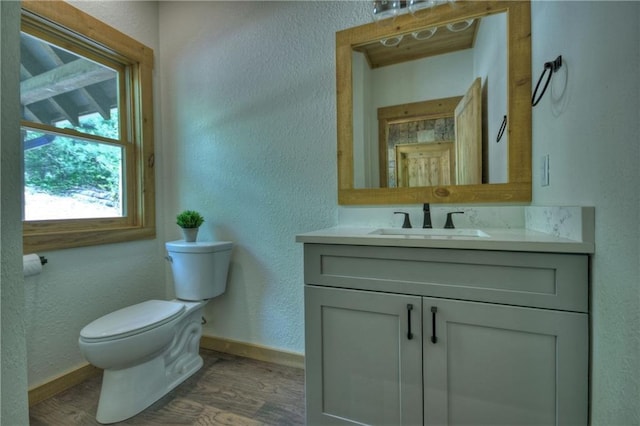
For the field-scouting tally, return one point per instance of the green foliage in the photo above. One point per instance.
(189, 219)
(68, 165)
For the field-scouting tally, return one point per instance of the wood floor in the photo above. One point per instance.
(228, 390)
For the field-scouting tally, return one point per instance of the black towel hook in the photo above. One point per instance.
(503, 126)
(550, 67)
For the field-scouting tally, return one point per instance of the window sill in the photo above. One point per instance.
(39, 242)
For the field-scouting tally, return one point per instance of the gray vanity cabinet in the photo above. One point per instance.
(412, 336)
(504, 365)
(369, 371)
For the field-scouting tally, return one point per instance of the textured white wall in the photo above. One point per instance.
(591, 133)
(79, 285)
(249, 123)
(13, 366)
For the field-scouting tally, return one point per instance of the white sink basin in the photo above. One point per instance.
(431, 233)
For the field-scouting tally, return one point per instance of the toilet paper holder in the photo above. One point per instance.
(32, 264)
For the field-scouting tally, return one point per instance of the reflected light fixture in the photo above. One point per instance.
(384, 9)
(385, 12)
(425, 34)
(415, 5)
(391, 41)
(456, 27)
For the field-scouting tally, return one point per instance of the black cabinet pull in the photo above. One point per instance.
(434, 338)
(409, 309)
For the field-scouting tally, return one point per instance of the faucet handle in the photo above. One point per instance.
(449, 223)
(426, 223)
(407, 222)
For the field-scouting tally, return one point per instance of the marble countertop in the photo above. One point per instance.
(497, 239)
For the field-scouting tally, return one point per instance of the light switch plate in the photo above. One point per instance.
(545, 170)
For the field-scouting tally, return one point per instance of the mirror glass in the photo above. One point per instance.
(402, 137)
(436, 106)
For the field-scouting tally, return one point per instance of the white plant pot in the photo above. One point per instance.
(190, 234)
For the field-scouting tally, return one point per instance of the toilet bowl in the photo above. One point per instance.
(149, 348)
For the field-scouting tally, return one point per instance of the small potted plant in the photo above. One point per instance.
(189, 221)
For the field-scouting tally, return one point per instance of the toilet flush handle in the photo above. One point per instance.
(169, 258)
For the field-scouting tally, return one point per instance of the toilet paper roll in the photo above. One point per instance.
(31, 265)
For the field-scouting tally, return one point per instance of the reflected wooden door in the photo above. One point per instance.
(425, 164)
(468, 116)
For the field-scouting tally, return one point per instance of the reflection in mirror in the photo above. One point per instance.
(418, 114)
(416, 145)
(424, 145)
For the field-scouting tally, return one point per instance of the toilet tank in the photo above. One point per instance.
(199, 268)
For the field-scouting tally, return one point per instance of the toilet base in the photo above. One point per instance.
(128, 391)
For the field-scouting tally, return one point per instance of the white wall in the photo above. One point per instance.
(364, 151)
(434, 77)
(13, 366)
(248, 93)
(79, 285)
(591, 134)
(490, 62)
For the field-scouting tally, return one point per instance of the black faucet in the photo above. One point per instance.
(449, 222)
(407, 222)
(426, 223)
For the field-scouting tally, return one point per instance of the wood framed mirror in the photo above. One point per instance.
(368, 172)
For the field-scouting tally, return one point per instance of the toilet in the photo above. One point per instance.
(149, 348)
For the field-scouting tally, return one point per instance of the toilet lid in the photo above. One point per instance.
(181, 246)
(132, 320)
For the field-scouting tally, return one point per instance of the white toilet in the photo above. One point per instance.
(150, 348)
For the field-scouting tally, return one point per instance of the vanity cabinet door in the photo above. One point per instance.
(361, 366)
(504, 365)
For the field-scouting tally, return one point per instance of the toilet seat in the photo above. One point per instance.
(131, 320)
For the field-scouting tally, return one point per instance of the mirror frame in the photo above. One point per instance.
(518, 189)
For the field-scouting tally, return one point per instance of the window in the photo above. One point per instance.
(87, 130)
